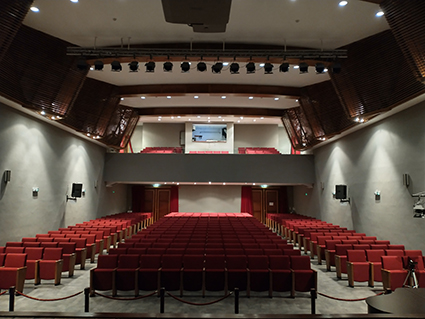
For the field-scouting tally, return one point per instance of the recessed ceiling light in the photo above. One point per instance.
(208, 117)
(179, 117)
(261, 118)
(253, 183)
(219, 116)
(143, 97)
(225, 63)
(379, 13)
(251, 97)
(122, 99)
(35, 9)
(43, 113)
(196, 97)
(159, 119)
(198, 116)
(343, 3)
(209, 121)
(261, 65)
(74, 1)
(190, 119)
(296, 66)
(222, 120)
(172, 117)
(224, 183)
(239, 121)
(223, 97)
(241, 117)
(209, 183)
(168, 97)
(276, 99)
(254, 120)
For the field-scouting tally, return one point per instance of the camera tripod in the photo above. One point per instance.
(411, 278)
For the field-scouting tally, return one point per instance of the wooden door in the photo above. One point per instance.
(157, 201)
(257, 203)
(163, 203)
(264, 201)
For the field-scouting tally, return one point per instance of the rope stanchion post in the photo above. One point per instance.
(236, 300)
(313, 296)
(86, 299)
(12, 299)
(162, 300)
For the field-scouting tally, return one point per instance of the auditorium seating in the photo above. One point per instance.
(13, 271)
(393, 273)
(103, 276)
(358, 268)
(50, 266)
(162, 150)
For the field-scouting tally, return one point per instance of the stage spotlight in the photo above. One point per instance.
(134, 66)
(168, 66)
(320, 68)
(284, 67)
(250, 68)
(201, 67)
(217, 67)
(336, 68)
(116, 66)
(185, 66)
(268, 68)
(150, 66)
(98, 65)
(82, 64)
(234, 68)
(303, 67)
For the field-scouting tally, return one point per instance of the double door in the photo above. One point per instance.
(264, 201)
(157, 201)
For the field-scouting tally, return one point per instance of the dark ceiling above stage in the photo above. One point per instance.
(384, 68)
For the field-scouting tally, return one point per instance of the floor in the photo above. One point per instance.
(258, 303)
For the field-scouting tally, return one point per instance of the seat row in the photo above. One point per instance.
(204, 251)
(129, 272)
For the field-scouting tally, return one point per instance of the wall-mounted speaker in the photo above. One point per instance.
(340, 191)
(76, 190)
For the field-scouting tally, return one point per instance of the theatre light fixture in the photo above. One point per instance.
(82, 64)
(284, 67)
(185, 66)
(150, 66)
(116, 66)
(250, 68)
(234, 68)
(168, 66)
(303, 67)
(217, 67)
(201, 67)
(134, 66)
(98, 65)
(320, 68)
(268, 68)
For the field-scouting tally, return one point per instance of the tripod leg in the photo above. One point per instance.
(415, 281)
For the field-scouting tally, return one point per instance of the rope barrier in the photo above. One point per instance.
(56, 299)
(342, 299)
(126, 298)
(199, 304)
(2, 293)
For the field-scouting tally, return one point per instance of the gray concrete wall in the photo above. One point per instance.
(229, 168)
(374, 158)
(41, 155)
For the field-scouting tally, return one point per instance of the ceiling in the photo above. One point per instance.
(309, 24)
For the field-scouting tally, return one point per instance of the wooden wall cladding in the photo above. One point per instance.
(299, 129)
(121, 127)
(375, 77)
(37, 73)
(323, 109)
(12, 14)
(407, 22)
(93, 108)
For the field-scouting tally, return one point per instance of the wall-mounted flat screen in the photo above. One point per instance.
(209, 133)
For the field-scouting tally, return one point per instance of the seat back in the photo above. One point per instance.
(300, 262)
(14, 244)
(136, 251)
(2, 258)
(215, 261)
(14, 250)
(118, 251)
(394, 252)
(392, 262)
(356, 255)
(15, 260)
(52, 253)
(374, 255)
(379, 246)
(107, 261)
(150, 261)
(361, 246)
(171, 261)
(29, 239)
(34, 253)
(126, 261)
(341, 249)
(279, 262)
(193, 261)
(235, 262)
(330, 243)
(396, 247)
(258, 262)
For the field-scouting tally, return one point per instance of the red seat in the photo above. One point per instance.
(393, 274)
(14, 250)
(13, 272)
(321, 247)
(80, 251)
(192, 273)
(374, 258)
(280, 274)
(236, 266)
(330, 252)
(103, 276)
(341, 258)
(394, 252)
(118, 251)
(90, 246)
(34, 255)
(170, 274)
(148, 277)
(136, 251)
(215, 273)
(292, 252)
(14, 244)
(358, 268)
(51, 264)
(303, 277)
(126, 275)
(69, 257)
(258, 273)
